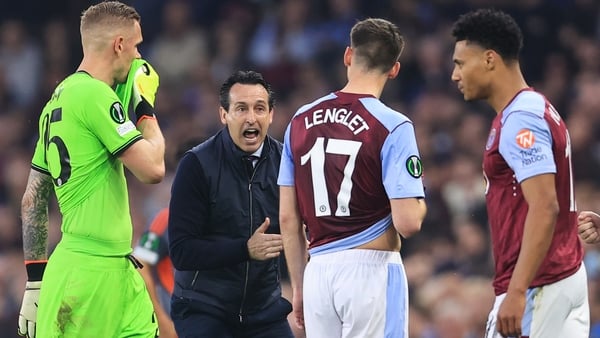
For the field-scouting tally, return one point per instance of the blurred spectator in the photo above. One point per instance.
(22, 61)
(472, 256)
(227, 53)
(194, 44)
(7, 97)
(464, 191)
(179, 45)
(283, 40)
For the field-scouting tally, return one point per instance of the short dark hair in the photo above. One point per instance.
(491, 29)
(244, 77)
(377, 43)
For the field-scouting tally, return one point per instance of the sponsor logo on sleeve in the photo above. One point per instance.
(530, 153)
(125, 128)
(525, 138)
(414, 166)
(117, 113)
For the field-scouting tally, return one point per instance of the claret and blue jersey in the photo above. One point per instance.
(529, 138)
(354, 154)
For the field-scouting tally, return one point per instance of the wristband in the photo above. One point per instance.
(146, 117)
(35, 270)
(144, 110)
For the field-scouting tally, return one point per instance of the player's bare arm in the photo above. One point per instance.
(540, 194)
(165, 324)
(34, 214)
(408, 215)
(146, 158)
(295, 247)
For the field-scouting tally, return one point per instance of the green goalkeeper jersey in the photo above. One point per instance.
(83, 128)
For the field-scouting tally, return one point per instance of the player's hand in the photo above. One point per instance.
(263, 246)
(29, 307)
(510, 314)
(298, 309)
(145, 82)
(587, 227)
(165, 326)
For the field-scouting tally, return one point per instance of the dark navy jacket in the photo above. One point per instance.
(215, 208)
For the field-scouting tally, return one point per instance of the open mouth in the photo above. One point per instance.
(251, 133)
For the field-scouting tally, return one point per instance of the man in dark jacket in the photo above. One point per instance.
(223, 229)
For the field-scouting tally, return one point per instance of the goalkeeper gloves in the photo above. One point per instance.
(29, 306)
(145, 82)
(139, 91)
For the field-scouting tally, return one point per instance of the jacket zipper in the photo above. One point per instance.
(194, 279)
(241, 313)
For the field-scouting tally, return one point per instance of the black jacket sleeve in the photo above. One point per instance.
(189, 246)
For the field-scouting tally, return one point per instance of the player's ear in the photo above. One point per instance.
(118, 44)
(394, 71)
(223, 115)
(348, 56)
(491, 57)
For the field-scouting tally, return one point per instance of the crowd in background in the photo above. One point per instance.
(298, 46)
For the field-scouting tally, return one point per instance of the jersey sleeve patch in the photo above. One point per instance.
(525, 138)
(414, 166)
(526, 145)
(117, 113)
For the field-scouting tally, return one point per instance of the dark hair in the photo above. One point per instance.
(244, 77)
(491, 29)
(377, 43)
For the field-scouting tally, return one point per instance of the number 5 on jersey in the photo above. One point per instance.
(57, 151)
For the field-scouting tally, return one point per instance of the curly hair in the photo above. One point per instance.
(491, 29)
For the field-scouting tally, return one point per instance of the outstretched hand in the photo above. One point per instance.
(262, 246)
(587, 227)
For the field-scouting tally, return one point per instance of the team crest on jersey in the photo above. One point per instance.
(117, 113)
(414, 166)
(525, 138)
(490, 139)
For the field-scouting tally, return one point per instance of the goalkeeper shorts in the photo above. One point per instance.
(93, 296)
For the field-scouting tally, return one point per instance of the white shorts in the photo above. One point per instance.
(356, 293)
(557, 310)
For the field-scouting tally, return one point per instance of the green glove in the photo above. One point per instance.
(141, 85)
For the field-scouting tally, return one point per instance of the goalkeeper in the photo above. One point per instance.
(90, 287)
